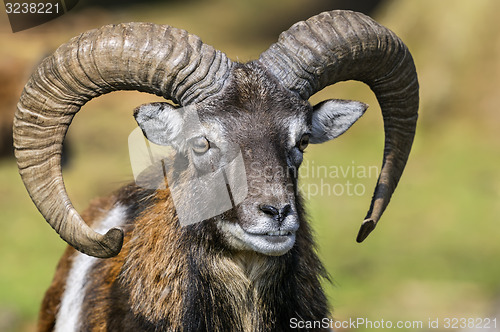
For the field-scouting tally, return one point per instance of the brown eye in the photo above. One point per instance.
(200, 145)
(304, 142)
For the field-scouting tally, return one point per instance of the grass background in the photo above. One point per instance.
(436, 251)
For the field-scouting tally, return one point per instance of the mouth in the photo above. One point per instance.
(277, 233)
(271, 243)
(276, 238)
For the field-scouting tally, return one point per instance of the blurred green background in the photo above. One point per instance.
(436, 251)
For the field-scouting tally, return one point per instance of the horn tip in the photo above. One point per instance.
(110, 245)
(367, 227)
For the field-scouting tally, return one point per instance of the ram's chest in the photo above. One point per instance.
(218, 290)
(239, 278)
(226, 287)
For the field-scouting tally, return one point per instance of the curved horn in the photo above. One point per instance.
(342, 45)
(150, 58)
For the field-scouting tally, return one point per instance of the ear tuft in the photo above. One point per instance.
(161, 123)
(331, 118)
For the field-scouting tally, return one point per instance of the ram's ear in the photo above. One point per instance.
(161, 123)
(331, 118)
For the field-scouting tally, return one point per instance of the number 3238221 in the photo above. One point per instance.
(32, 8)
(461, 323)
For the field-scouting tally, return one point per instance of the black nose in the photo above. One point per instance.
(275, 213)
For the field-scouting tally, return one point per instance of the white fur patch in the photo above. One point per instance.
(68, 316)
(297, 127)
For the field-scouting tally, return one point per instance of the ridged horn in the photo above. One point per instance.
(343, 45)
(146, 57)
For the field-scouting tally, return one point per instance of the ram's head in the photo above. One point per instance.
(258, 111)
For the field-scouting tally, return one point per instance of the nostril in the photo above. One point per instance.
(269, 209)
(279, 214)
(285, 211)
